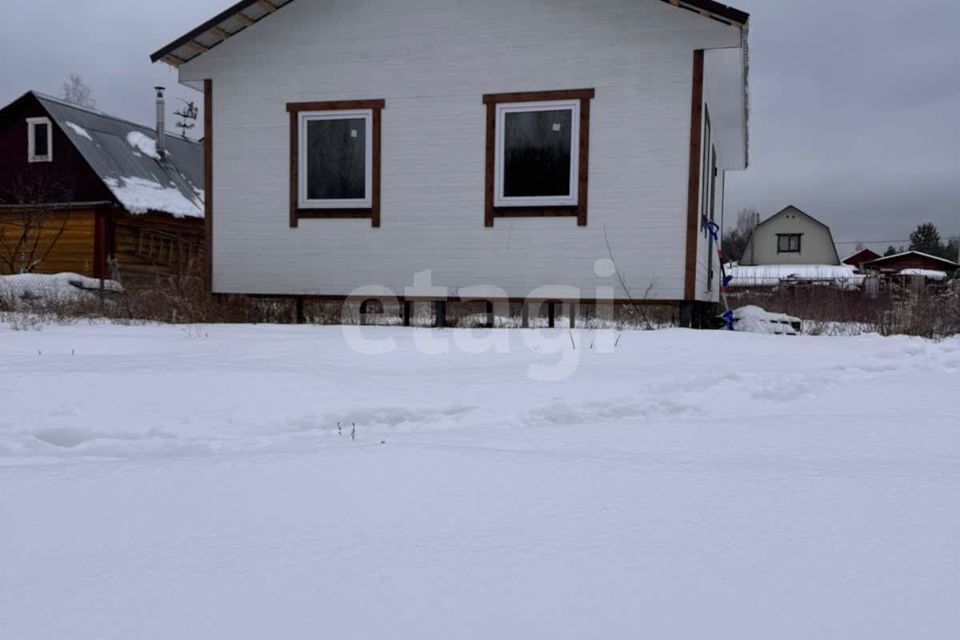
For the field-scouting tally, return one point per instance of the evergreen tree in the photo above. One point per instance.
(926, 239)
(953, 249)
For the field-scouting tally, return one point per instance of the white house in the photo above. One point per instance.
(505, 149)
(791, 237)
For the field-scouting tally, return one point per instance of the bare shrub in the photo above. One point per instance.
(924, 312)
(29, 235)
(902, 307)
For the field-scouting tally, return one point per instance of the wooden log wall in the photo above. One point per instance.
(66, 238)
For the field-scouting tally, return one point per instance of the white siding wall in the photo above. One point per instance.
(432, 60)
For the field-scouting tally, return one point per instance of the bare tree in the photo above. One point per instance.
(76, 91)
(29, 235)
(735, 240)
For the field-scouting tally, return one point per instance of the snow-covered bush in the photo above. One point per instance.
(31, 300)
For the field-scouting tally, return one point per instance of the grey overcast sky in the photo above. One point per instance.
(855, 103)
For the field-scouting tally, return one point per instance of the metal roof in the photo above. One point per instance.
(141, 182)
(246, 13)
(921, 254)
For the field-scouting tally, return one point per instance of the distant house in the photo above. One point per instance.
(913, 264)
(860, 258)
(88, 193)
(791, 237)
(509, 148)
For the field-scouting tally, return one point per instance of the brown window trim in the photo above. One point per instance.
(578, 211)
(373, 212)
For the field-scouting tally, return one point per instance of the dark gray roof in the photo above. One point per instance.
(120, 153)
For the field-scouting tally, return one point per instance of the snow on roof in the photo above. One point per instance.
(143, 144)
(777, 274)
(929, 274)
(80, 131)
(124, 155)
(142, 196)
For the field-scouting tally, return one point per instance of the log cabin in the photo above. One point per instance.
(88, 193)
(510, 150)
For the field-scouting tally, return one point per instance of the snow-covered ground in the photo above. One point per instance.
(163, 482)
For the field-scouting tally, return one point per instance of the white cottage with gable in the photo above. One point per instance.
(791, 237)
(506, 149)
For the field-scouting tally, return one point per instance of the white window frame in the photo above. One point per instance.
(32, 124)
(344, 203)
(500, 200)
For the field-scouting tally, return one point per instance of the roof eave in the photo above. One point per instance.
(215, 27)
(712, 9)
(707, 8)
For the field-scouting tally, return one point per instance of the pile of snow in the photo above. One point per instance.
(163, 482)
(140, 195)
(144, 144)
(80, 131)
(752, 319)
(777, 274)
(60, 286)
(929, 274)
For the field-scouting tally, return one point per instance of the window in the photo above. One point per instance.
(537, 154)
(535, 159)
(788, 242)
(335, 160)
(39, 140)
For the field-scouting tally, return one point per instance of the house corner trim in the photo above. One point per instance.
(208, 179)
(693, 184)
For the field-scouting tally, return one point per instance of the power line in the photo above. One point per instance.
(875, 242)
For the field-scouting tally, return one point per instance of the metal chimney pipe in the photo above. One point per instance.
(161, 122)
